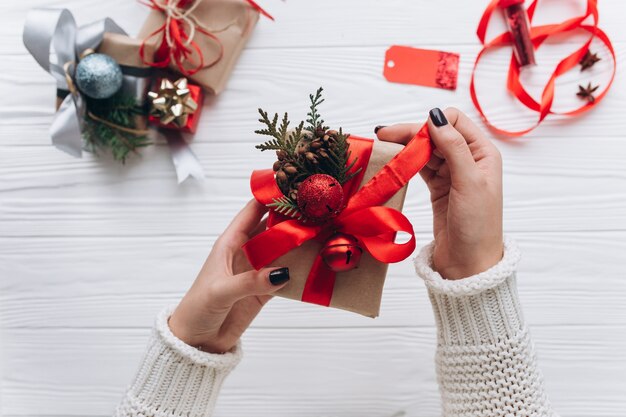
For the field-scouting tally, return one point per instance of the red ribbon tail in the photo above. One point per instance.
(320, 284)
(258, 8)
(274, 242)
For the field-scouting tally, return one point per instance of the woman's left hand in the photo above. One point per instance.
(228, 293)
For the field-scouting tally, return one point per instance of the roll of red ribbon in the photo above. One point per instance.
(538, 35)
(519, 27)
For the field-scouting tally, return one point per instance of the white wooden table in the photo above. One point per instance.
(91, 250)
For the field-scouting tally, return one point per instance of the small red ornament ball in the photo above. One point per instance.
(320, 197)
(342, 252)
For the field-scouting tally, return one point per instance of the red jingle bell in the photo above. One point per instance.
(320, 197)
(342, 252)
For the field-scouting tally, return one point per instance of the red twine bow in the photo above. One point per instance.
(538, 35)
(177, 37)
(364, 217)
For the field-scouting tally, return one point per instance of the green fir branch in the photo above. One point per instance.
(121, 110)
(349, 175)
(286, 206)
(339, 164)
(308, 150)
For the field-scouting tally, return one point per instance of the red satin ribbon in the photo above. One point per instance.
(183, 51)
(538, 35)
(364, 217)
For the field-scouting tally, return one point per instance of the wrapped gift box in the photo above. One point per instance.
(358, 290)
(230, 22)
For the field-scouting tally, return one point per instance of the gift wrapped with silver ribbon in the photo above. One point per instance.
(54, 33)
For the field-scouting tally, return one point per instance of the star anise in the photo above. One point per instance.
(588, 60)
(586, 93)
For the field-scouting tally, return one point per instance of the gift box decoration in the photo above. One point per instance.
(200, 39)
(176, 105)
(101, 82)
(137, 76)
(335, 204)
(102, 88)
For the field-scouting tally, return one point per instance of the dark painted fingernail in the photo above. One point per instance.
(377, 128)
(279, 276)
(438, 118)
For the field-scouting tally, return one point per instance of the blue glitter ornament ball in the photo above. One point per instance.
(98, 76)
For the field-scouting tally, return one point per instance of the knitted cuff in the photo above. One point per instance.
(480, 309)
(176, 379)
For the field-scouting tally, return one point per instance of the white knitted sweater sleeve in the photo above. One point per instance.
(175, 379)
(485, 359)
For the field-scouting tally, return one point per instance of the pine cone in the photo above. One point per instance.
(312, 151)
(289, 169)
(281, 179)
(317, 149)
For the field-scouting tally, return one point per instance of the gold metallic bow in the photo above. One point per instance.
(172, 102)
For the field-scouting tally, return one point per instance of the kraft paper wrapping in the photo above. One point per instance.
(231, 21)
(125, 50)
(359, 290)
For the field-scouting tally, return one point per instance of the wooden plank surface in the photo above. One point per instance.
(128, 293)
(364, 372)
(91, 250)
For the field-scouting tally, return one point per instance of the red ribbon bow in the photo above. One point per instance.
(176, 44)
(538, 35)
(364, 217)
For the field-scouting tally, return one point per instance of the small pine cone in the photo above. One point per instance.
(310, 156)
(302, 148)
(281, 177)
(281, 155)
(290, 169)
(276, 166)
(316, 144)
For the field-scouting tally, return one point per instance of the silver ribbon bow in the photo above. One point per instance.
(49, 31)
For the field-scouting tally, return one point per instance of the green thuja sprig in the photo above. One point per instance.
(304, 151)
(314, 119)
(282, 138)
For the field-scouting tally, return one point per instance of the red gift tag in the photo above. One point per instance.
(425, 67)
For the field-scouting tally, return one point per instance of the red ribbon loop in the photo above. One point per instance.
(538, 35)
(364, 217)
(376, 228)
(175, 44)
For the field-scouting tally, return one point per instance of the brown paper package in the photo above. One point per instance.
(359, 290)
(232, 21)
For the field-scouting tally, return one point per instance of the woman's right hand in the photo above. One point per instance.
(464, 177)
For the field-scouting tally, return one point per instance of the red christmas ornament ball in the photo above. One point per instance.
(341, 252)
(320, 197)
